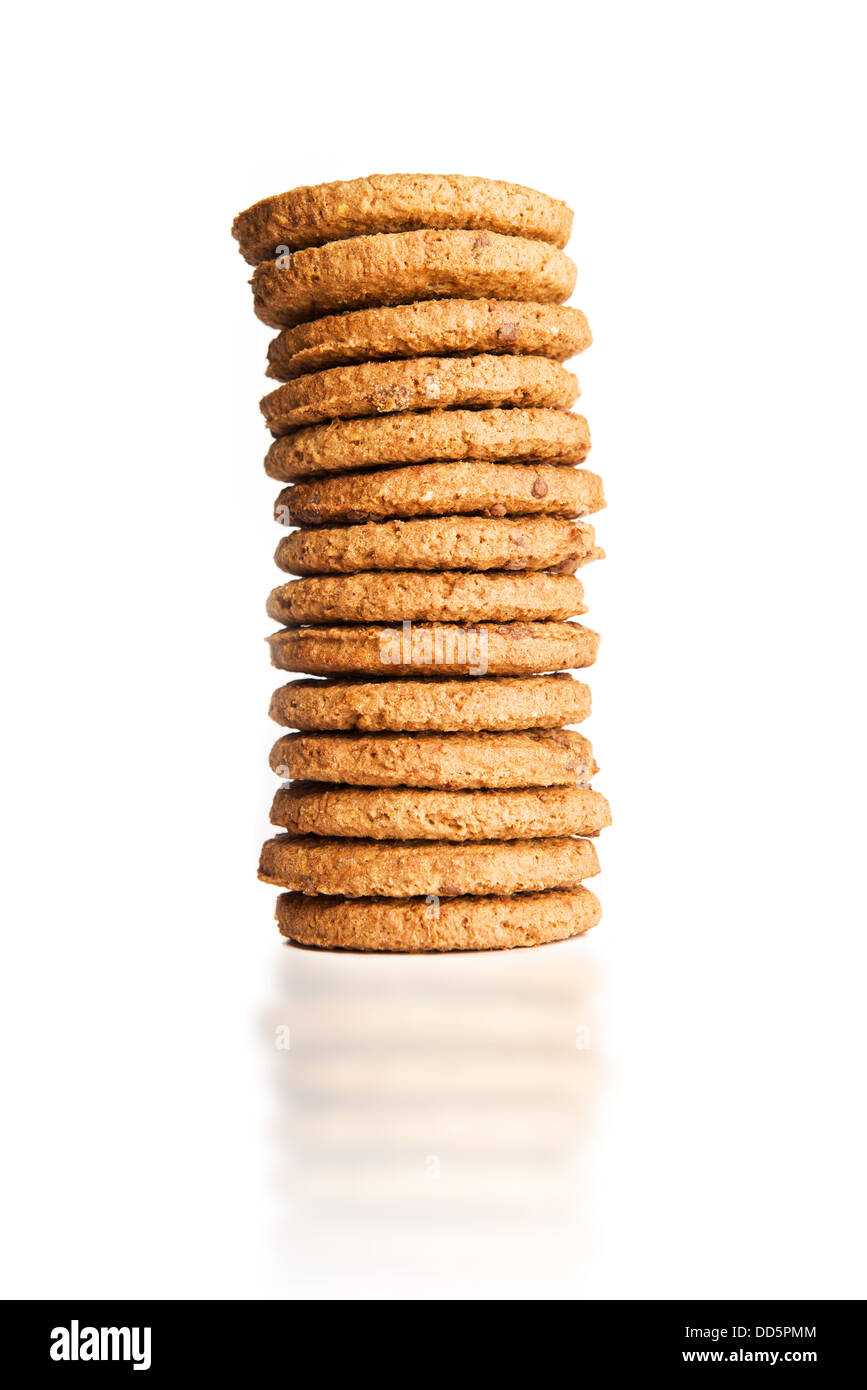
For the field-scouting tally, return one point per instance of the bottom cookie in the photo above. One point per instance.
(425, 924)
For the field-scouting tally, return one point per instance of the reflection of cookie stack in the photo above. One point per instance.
(423, 427)
(407, 1094)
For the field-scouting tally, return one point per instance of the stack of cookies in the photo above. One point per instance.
(423, 431)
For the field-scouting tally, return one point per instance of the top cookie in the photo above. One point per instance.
(404, 266)
(309, 216)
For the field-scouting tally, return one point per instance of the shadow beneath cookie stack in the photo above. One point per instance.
(432, 1119)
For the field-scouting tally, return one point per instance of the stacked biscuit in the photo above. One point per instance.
(424, 432)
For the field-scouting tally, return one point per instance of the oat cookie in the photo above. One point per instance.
(397, 203)
(478, 649)
(400, 267)
(442, 489)
(455, 596)
(408, 868)
(450, 762)
(429, 328)
(464, 705)
(423, 383)
(431, 436)
(402, 813)
(440, 543)
(425, 924)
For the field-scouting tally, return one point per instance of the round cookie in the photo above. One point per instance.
(428, 924)
(442, 489)
(507, 436)
(480, 649)
(458, 596)
(429, 328)
(498, 703)
(401, 813)
(399, 267)
(439, 543)
(423, 383)
(407, 868)
(449, 762)
(323, 212)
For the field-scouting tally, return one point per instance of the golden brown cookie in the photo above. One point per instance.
(505, 436)
(442, 489)
(434, 924)
(422, 383)
(440, 543)
(479, 649)
(407, 868)
(455, 596)
(396, 203)
(450, 762)
(464, 705)
(399, 267)
(404, 813)
(429, 328)
(431, 924)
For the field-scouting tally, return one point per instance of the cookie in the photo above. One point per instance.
(508, 649)
(507, 436)
(458, 596)
(498, 703)
(408, 868)
(397, 203)
(450, 762)
(429, 328)
(401, 813)
(399, 267)
(423, 383)
(442, 489)
(432, 924)
(439, 543)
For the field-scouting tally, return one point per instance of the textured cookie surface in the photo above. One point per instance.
(397, 268)
(466, 705)
(440, 489)
(450, 762)
(409, 868)
(401, 813)
(440, 543)
(507, 436)
(458, 596)
(397, 203)
(423, 924)
(428, 328)
(422, 383)
(497, 649)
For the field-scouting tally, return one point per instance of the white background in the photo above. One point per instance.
(714, 157)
